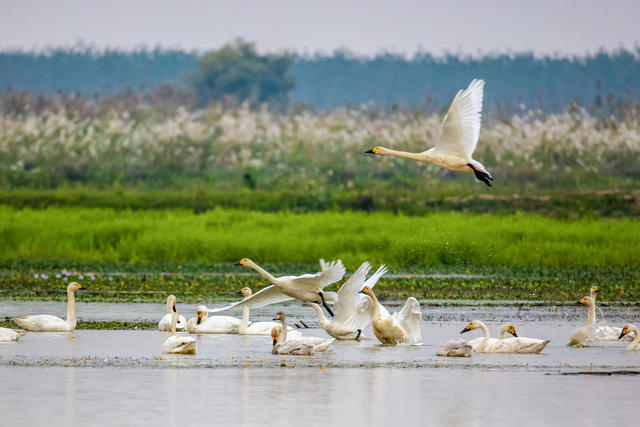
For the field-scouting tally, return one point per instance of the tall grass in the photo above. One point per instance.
(106, 235)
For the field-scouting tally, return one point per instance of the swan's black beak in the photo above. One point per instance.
(238, 263)
(239, 292)
(199, 320)
(464, 330)
(370, 152)
(515, 335)
(275, 341)
(174, 309)
(276, 318)
(597, 290)
(361, 291)
(623, 333)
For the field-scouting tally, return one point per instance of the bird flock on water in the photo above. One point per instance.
(355, 306)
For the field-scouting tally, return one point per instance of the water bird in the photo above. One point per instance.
(203, 324)
(353, 311)
(7, 334)
(48, 323)
(515, 344)
(165, 323)
(178, 344)
(256, 328)
(591, 331)
(628, 329)
(459, 135)
(454, 348)
(284, 344)
(398, 328)
(307, 287)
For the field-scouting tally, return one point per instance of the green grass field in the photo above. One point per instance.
(517, 256)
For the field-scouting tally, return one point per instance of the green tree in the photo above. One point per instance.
(238, 71)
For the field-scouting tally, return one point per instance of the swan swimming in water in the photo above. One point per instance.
(7, 334)
(400, 327)
(459, 135)
(627, 329)
(515, 344)
(591, 331)
(204, 324)
(255, 328)
(48, 323)
(165, 323)
(454, 348)
(353, 311)
(283, 344)
(307, 287)
(178, 344)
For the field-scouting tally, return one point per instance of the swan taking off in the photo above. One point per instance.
(308, 287)
(48, 323)
(353, 311)
(177, 344)
(283, 344)
(458, 136)
(398, 328)
(627, 329)
(7, 334)
(204, 324)
(165, 323)
(502, 344)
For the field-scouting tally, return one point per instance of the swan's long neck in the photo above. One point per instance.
(324, 322)
(174, 322)
(636, 341)
(169, 307)
(264, 273)
(487, 336)
(503, 330)
(591, 314)
(283, 335)
(404, 154)
(244, 323)
(376, 304)
(71, 308)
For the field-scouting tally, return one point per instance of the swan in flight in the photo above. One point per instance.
(256, 328)
(7, 334)
(454, 348)
(513, 344)
(458, 136)
(353, 311)
(627, 329)
(204, 324)
(308, 287)
(284, 344)
(398, 328)
(48, 323)
(592, 331)
(177, 344)
(165, 323)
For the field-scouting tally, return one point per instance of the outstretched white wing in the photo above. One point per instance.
(461, 125)
(348, 296)
(362, 312)
(266, 296)
(331, 273)
(409, 319)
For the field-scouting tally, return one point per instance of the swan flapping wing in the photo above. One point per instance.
(331, 273)
(266, 296)
(409, 318)
(361, 311)
(348, 296)
(461, 124)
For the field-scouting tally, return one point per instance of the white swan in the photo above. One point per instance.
(506, 328)
(284, 344)
(255, 328)
(591, 331)
(48, 323)
(454, 348)
(178, 344)
(308, 287)
(7, 334)
(353, 311)
(165, 323)
(458, 137)
(204, 324)
(627, 329)
(516, 344)
(400, 327)
(593, 292)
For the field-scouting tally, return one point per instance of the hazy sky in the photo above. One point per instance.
(366, 27)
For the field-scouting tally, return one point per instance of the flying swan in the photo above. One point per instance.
(458, 136)
(48, 323)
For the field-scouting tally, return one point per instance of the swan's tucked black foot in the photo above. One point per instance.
(481, 176)
(359, 333)
(324, 303)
